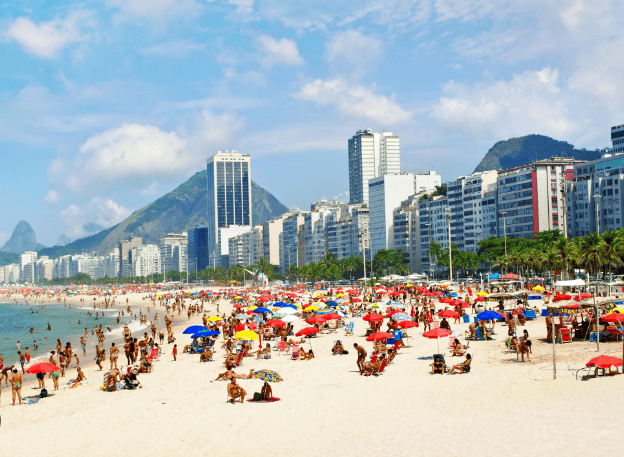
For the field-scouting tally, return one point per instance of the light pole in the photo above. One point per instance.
(504, 213)
(448, 218)
(429, 244)
(364, 251)
(596, 199)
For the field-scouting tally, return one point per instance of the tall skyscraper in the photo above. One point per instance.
(371, 155)
(229, 201)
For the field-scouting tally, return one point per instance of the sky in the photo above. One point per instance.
(107, 105)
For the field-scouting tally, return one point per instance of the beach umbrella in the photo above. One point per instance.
(242, 316)
(193, 329)
(616, 317)
(356, 300)
(237, 305)
(406, 324)
(43, 367)
(206, 332)
(262, 310)
(401, 317)
(288, 310)
(562, 297)
(332, 316)
(276, 323)
(479, 299)
(214, 319)
(437, 333)
(290, 318)
(481, 294)
(267, 376)
(488, 315)
(279, 304)
(311, 308)
(449, 313)
(378, 336)
(307, 331)
(582, 296)
(316, 320)
(371, 317)
(246, 335)
(331, 303)
(604, 361)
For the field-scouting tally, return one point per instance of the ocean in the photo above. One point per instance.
(16, 320)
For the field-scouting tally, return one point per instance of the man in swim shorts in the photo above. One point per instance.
(114, 355)
(16, 385)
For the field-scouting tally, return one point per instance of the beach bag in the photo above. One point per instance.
(44, 393)
(256, 396)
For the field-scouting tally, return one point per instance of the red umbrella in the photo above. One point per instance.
(437, 333)
(406, 324)
(316, 320)
(381, 292)
(373, 317)
(562, 297)
(276, 323)
(604, 361)
(615, 317)
(238, 305)
(356, 300)
(582, 296)
(307, 331)
(43, 367)
(240, 327)
(449, 313)
(479, 299)
(332, 316)
(379, 336)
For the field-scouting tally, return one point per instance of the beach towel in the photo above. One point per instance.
(271, 400)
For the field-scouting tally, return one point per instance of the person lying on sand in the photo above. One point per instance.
(229, 374)
(206, 355)
(80, 376)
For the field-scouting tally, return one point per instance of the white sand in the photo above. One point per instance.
(502, 407)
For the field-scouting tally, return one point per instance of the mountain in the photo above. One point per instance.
(23, 239)
(90, 229)
(178, 211)
(7, 258)
(518, 151)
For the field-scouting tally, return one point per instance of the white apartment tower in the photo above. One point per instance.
(371, 155)
(229, 200)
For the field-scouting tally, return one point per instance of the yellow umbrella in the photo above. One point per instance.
(481, 294)
(246, 335)
(340, 295)
(311, 308)
(538, 288)
(214, 319)
(238, 297)
(252, 307)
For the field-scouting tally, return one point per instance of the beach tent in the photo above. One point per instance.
(493, 276)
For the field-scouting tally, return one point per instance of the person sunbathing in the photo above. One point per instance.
(463, 367)
(235, 391)
(80, 377)
(263, 352)
(458, 348)
(229, 374)
(206, 355)
(266, 393)
(369, 367)
(307, 356)
(145, 366)
(339, 349)
(437, 366)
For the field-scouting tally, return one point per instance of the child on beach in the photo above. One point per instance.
(175, 352)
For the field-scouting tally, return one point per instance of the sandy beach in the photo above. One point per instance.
(501, 406)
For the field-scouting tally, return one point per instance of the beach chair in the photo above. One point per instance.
(530, 314)
(382, 367)
(391, 356)
(373, 357)
(349, 328)
(239, 358)
(154, 354)
(441, 356)
(478, 335)
(435, 324)
(294, 355)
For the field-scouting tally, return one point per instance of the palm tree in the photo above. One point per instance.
(613, 249)
(592, 253)
(263, 266)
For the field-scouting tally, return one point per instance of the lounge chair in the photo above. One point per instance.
(295, 352)
(443, 360)
(382, 367)
(239, 358)
(154, 354)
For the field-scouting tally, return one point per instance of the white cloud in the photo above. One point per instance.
(352, 52)
(52, 197)
(242, 6)
(129, 151)
(4, 237)
(530, 102)
(274, 51)
(104, 212)
(152, 189)
(354, 100)
(175, 48)
(155, 10)
(47, 39)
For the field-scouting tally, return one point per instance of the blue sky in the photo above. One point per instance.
(107, 105)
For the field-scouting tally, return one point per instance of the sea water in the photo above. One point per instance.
(17, 319)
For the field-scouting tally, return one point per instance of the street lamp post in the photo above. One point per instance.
(504, 213)
(596, 199)
(448, 218)
(364, 252)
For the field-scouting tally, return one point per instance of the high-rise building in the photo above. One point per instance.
(145, 260)
(229, 200)
(173, 251)
(617, 138)
(125, 255)
(386, 193)
(425, 182)
(290, 252)
(198, 248)
(371, 155)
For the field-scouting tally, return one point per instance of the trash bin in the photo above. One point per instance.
(466, 319)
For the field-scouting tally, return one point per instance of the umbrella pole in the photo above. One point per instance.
(552, 331)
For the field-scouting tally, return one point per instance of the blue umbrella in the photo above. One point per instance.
(290, 305)
(262, 310)
(488, 315)
(279, 304)
(331, 303)
(193, 329)
(208, 332)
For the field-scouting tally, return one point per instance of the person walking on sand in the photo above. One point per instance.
(16, 385)
(175, 352)
(114, 355)
(361, 356)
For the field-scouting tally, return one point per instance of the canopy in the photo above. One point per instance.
(570, 283)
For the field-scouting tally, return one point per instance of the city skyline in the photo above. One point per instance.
(107, 106)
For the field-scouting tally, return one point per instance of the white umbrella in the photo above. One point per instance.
(290, 318)
(288, 310)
